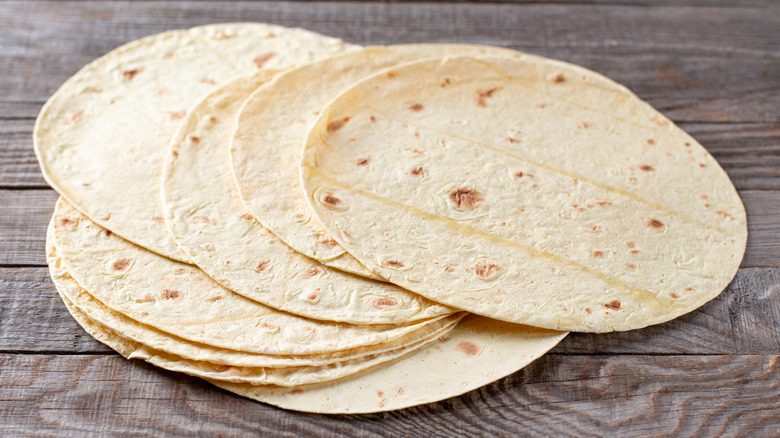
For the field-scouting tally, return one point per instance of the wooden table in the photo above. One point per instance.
(711, 66)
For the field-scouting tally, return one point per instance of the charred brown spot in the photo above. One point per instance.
(674, 295)
(208, 81)
(416, 107)
(613, 305)
(337, 124)
(214, 299)
(297, 391)
(449, 269)
(465, 198)
(655, 224)
(363, 161)
(631, 266)
(659, 121)
(416, 134)
(395, 264)
(511, 140)
(470, 349)
(597, 254)
(635, 251)
(380, 394)
(328, 243)
(559, 78)
(171, 294)
(543, 105)
(267, 326)
(169, 55)
(417, 171)
(445, 82)
(311, 272)
(630, 244)
(260, 60)
(206, 220)
(75, 117)
(121, 264)
(147, 298)
(262, 265)
(688, 289)
(385, 302)
(523, 175)
(595, 229)
(704, 196)
(313, 295)
(176, 115)
(725, 215)
(603, 202)
(131, 74)
(331, 200)
(585, 125)
(702, 165)
(487, 270)
(483, 95)
(587, 310)
(392, 74)
(247, 217)
(400, 391)
(646, 168)
(650, 141)
(372, 118)
(68, 223)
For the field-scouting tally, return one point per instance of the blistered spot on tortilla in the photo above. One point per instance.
(631, 266)
(635, 251)
(483, 95)
(313, 295)
(169, 55)
(650, 141)
(597, 254)
(75, 117)
(659, 121)
(559, 78)
(392, 264)
(262, 265)
(208, 81)
(194, 139)
(247, 217)
(613, 305)
(688, 289)
(465, 198)
(445, 82)
(372, 118)
(417, 151)
(595, 229)
(449, 269)
(511, 140)
(646, 168)
(586, 310)
(171, 294)
(176, 115)
(107, 233)
(383, 402)
(131, 74)
(392, 74)
(487, 271)
(417, 106)
(260, 60)
(630, 244)
(329, 200)
(523, 175)
(69, 224)
(273, 328)
(363, 161)
(328, 243)
(603, 202)
(543, 105)
(417, 171)
(147, 298)
(180, 271)
(121, 264)
(385, 302)
(469, 349)
(337, 124)
(311, 272)
(400, 391)
(380, 394)
(158, 220)
(206, 220)
(585, 124)
(214, 299)
(674, 295)
(297, 391)
(655, 224)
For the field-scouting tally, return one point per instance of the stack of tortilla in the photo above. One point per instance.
(337, 229)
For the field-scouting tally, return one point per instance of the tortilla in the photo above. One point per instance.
(274, 122)
(213, 227)
(181, 300)
(100, 139)
(139, 333)
(477, 352)
(527, 190)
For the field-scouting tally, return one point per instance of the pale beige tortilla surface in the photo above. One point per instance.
(180, 299)
(273, 124)
(213, 227)
(101, 138)
(527, 190)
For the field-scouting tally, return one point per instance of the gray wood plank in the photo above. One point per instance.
(579, 396)
(749, 152)
(696, 64)
(744, 319)
(26, 214)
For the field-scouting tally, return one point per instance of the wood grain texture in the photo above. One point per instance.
(555, 396)
(744, 319)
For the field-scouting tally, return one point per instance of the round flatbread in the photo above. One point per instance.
(181, 300)
(213, 227)
(527, 190)
(274, 123)
(101, 138)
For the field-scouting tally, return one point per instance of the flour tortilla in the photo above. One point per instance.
(274, 122)
(477, 352)
(181, 300)
(213, 227)
(527, 190)
(100, 139)
(166, 343)
(280, 376)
